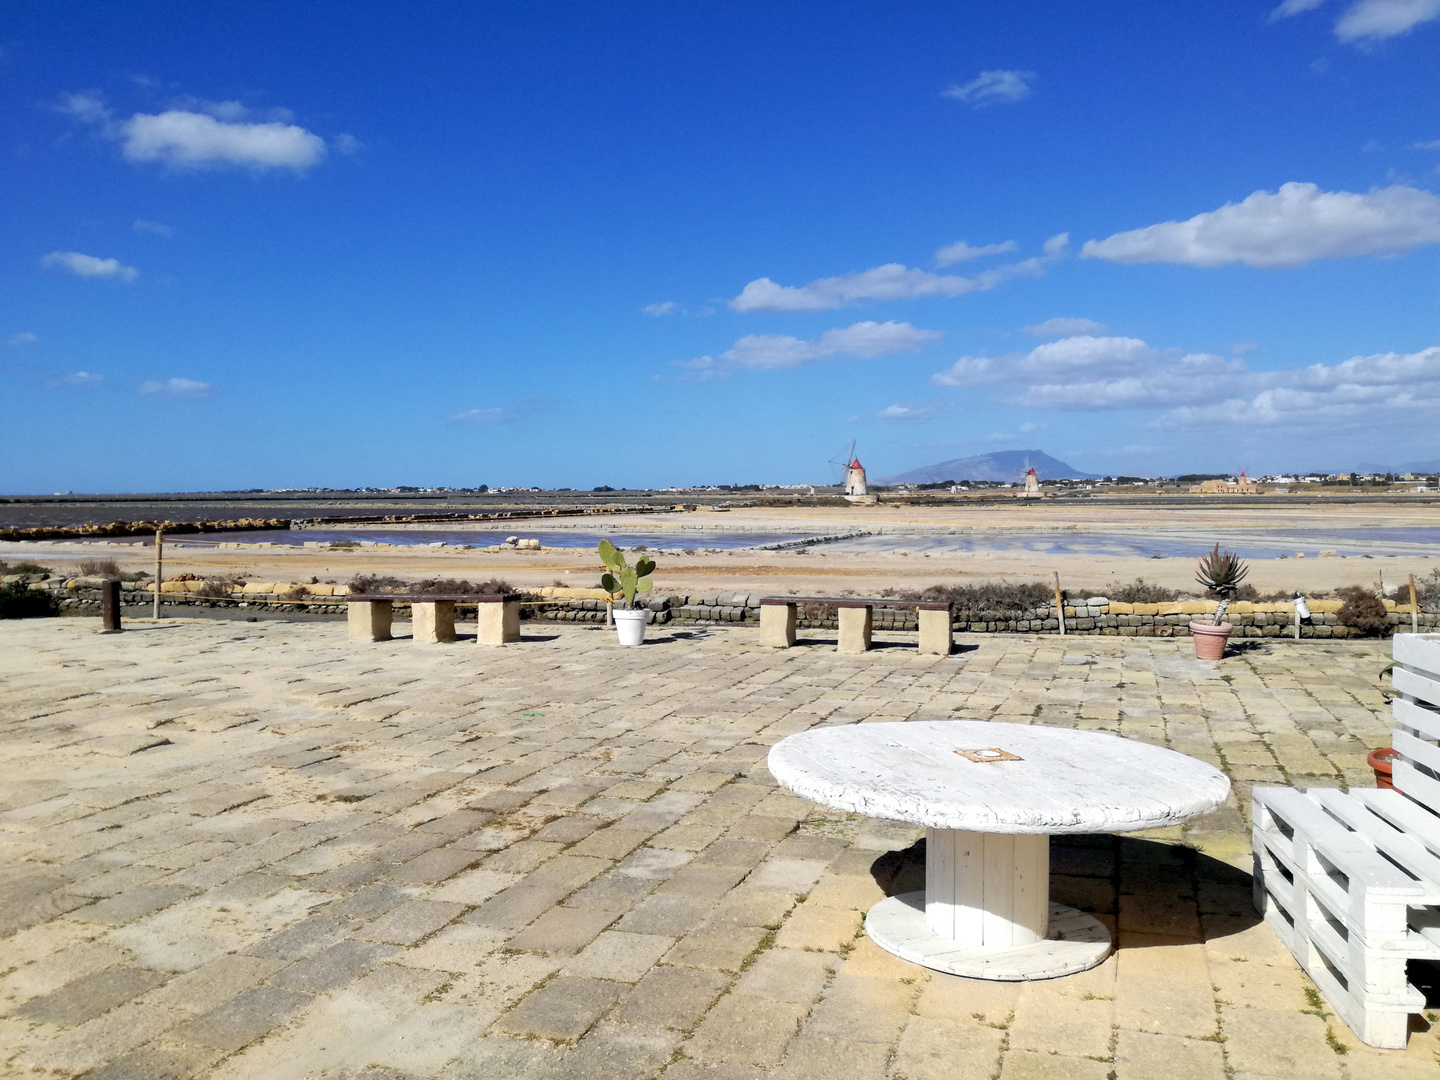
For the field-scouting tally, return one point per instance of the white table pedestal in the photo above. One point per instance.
(986, 912)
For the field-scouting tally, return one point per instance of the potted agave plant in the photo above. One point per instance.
(625, 581)
(1221, 572)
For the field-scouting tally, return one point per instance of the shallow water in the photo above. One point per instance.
(687, 540)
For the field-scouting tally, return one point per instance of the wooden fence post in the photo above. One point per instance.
(159, 568)
(1059, 603)
(1414, 608)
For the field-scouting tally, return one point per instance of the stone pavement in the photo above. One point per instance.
(260, 850)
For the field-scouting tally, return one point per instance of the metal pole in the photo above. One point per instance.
(159, 567)
(1059, 603)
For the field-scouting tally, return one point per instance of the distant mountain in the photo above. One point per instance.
(1409, 466)
(1007, 466)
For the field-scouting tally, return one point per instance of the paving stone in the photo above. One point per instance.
(242, 1019)
(334, 967)
(1035, 1065)
(792, 975)
(619, 956)
(619, 1053)
(410, 922)
(933, 1049)
(724, 948)
(159, 1062)
(305, 938)
(671, 997)
(436, 865)
(88, 997)
(745, 1030)
(562, 1010)
(206, 987)
(134, 904)
(820, 1057)
(1141, 1056)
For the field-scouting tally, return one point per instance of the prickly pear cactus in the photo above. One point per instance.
(621, 579)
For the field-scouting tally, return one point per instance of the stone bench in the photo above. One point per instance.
(433, 616)
(778, 617)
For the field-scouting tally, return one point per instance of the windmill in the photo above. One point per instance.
(854, 473)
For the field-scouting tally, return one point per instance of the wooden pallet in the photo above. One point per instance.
(1350, 882)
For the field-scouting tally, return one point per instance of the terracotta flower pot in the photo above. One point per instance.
(1380, 760)
(1210, 640)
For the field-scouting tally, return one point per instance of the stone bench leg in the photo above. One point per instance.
(369, 620)
(936, 635)
(433, 621)
(499, 624)
(777, 625)
(856, 624)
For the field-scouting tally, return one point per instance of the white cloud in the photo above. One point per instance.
(184, 139)
(960, 251)
(1373, 20)
(90, 266)
(1199, 389)
(155, 228)
(1294, 7)
(1293, 226)
(893, 281)
(1064, 328)
(913, 413)
(774, 352)
(177, 388)
(498, 415)
(866, 340)
(348, 145)
(1082, 355)
(1434, 144)
(80, 378)
(25, 338)
(990, 87)
(667, 307)
(87, 108)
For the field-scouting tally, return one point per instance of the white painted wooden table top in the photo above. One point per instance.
(1067, 781)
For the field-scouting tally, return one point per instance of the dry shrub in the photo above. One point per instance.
(993, 596)
(99, 568)
(1141, 591)
(27, 568)
(376, 583)
(1363, 609)
(215, 589)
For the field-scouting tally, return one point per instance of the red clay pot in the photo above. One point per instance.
(1380, 760)
(1210, 640)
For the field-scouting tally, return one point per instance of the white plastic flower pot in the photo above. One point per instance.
(630, 626)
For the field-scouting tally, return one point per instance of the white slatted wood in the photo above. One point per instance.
(1403, 813)
(1405, 851)
(1407, 714)
(1419, 652)
(1032, 888)
(1421, 788)
(969, 887)
(1414, 684)
(1416, 751)
(941, 881)
(999, 931)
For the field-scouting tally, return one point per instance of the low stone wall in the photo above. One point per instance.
(1097, 615)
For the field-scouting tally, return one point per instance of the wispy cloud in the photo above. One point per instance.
(177, 388)
(993, 87)
(1296, 225)
(660, 310)
(1366, 21)
(774, 352)
(499, 414)
(79, 378)
(960, 251)
(24, 338)
(90, 266)
(1064, 328)
(154, 228)
(893, 281)
(911, 413)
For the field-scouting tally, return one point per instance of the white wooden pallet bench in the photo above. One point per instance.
(433, 616)
(1350, 882)
(779, 616)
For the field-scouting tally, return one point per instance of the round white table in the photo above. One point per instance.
(989, 796)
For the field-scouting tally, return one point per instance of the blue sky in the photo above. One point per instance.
(279, 245)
